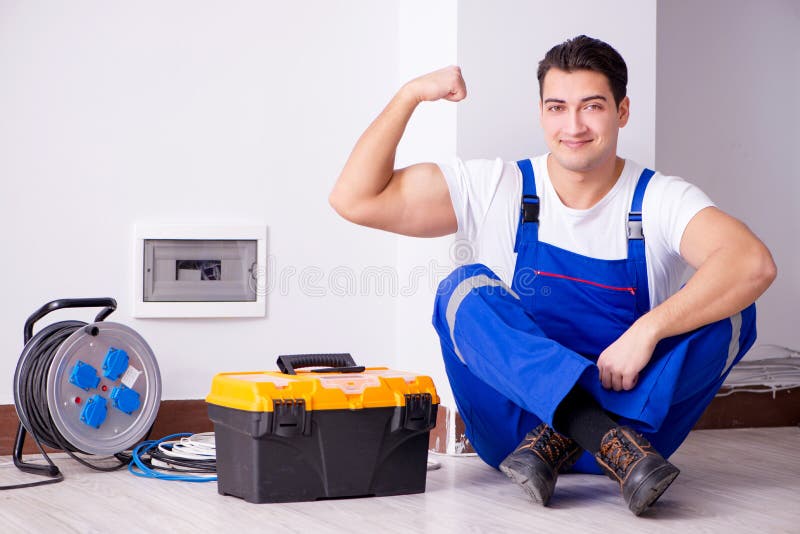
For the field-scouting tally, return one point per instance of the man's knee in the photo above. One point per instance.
(461, 274)
(458, 284)
(454, 290)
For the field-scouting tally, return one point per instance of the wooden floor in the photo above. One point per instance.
(743, 480)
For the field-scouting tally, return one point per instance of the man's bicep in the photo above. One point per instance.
(709, 230)
(416, 202)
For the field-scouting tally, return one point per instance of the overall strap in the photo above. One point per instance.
(636, 249)
(528, 228)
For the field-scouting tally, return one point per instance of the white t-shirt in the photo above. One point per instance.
(486, 196)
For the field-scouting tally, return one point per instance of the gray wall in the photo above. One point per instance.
(728, 119)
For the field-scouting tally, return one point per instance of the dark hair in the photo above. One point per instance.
(586, 53)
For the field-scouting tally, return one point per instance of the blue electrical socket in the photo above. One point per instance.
(125, 399)
(115, 363)
(84, 376)
(95, 411)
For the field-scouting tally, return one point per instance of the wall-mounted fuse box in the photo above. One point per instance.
(200, 271)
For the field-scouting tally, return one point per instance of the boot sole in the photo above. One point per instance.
(652, 487)
(530, 486)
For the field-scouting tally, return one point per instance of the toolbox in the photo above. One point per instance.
(302, 435)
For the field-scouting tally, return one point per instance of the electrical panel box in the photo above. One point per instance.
(200, 271)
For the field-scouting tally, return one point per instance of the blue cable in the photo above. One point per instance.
(147, 472)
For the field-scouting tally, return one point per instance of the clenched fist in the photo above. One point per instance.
(444, 83)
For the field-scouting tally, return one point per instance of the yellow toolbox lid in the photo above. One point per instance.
(375, 387)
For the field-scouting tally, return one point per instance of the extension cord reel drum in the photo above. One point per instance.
(103, 385)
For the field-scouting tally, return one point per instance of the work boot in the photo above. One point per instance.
(536, 462)
(643, 474)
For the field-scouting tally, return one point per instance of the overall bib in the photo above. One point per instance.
(513, 354)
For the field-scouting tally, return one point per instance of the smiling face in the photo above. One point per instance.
(580, 119)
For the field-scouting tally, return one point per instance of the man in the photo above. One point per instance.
(595, 359)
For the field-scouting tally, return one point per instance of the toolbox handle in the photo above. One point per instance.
(337, 363)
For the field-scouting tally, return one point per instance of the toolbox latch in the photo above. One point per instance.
(419, 407)
(288, 417)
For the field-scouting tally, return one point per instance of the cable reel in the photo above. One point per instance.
(84, 388)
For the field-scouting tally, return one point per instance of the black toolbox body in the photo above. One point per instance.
(287, 438)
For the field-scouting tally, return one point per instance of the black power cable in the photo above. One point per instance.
(184, 465)
(32, 400)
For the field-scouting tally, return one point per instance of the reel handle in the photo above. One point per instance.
(108, 304)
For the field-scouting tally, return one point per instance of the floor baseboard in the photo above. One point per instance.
(173, 416)
(741, 409)
(737, 410)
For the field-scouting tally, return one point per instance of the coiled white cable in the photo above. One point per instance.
(778, 372)
(195, 447)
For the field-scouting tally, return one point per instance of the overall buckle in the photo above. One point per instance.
(530, 208)
(635, 225)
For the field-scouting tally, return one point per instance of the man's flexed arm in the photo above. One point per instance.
(733, 269)
(412, 201)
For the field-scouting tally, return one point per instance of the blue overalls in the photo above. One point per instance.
(512, 354)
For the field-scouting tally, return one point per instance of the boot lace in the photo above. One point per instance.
(619, 454)
(553, 445)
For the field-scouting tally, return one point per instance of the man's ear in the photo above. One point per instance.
(623, 111)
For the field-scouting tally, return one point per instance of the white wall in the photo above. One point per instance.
(500, 45)
(186, 111)
(427, 40)
(728, 120)
(197, 111)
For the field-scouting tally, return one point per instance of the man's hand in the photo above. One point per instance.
(444, 83)
(622, 361)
